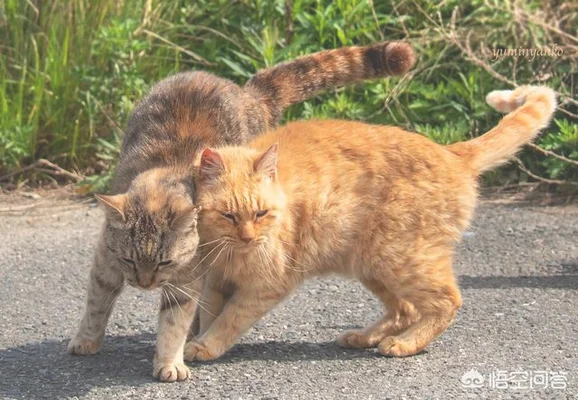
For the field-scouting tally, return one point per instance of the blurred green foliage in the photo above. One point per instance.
(72, 70)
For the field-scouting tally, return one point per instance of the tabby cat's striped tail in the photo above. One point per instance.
(530, 110)
(294, 81)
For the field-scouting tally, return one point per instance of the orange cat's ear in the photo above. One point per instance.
(267, 163)
(114, 206)
(211, 165)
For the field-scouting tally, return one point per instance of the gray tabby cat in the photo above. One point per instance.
(149, 239)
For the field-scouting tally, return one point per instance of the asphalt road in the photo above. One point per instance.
(518, 268)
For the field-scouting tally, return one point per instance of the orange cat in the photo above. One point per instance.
(149, 239)
(369, 202)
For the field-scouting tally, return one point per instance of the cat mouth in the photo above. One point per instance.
(246, 247)
(150, 287)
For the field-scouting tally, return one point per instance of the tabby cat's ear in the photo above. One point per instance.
(267, 163)
(185, 219)
(114, 207)
(211, 165)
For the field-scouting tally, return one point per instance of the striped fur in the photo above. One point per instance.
(297, 80)
(150, 237)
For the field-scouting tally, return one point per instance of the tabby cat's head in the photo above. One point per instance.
(243, 204)
(151, 230)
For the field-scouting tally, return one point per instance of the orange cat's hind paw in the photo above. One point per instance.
(198, 351)
(394, 347)
(357, 339)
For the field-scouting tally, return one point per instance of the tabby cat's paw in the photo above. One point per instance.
(80, 346)
(171, 372)
(198, 351)
(357, 339)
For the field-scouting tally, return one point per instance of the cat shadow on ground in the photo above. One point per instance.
(46, 371)
(562, 276)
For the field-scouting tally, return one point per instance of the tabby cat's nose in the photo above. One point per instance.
(247, 239)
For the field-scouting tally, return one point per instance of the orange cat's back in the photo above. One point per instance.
(370, 165)
(354, 169)
(334, 148)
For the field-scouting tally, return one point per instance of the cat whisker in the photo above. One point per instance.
(169, 302)
(218, 246)
(188, 295)
(226, 247)
(197, 299)
(283, 241)
(267, 265)
(272, 261)
(211, 242)
(168, 291)
(110, 302)
(187, 289)
(227, 262)
(200, 276)
(305, 268)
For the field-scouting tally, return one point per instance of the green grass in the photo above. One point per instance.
(71, 71)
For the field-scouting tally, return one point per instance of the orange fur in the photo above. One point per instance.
(150, 238)
(534, 106)
(374, 203)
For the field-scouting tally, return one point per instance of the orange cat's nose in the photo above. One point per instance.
(246, 232)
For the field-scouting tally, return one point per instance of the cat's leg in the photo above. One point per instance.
(212, 304)
(215, 296)
(177, 311)
(105, 285)
(196, 327)
(240, 313)
(436, 297)
(398, 317)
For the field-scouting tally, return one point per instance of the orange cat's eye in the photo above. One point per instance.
(229, 216)
(261, 214)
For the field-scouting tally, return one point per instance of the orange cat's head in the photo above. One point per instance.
(242, 202)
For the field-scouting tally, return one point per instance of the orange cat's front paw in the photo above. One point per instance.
(81, 346)
(356, 339)
(198, 351)
(394, 347)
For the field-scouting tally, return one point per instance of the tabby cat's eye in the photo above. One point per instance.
(164, 263)
(229, 216)
(262, 213)
(128, 261)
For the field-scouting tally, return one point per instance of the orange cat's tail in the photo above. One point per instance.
(530, 110)
(294, 81)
